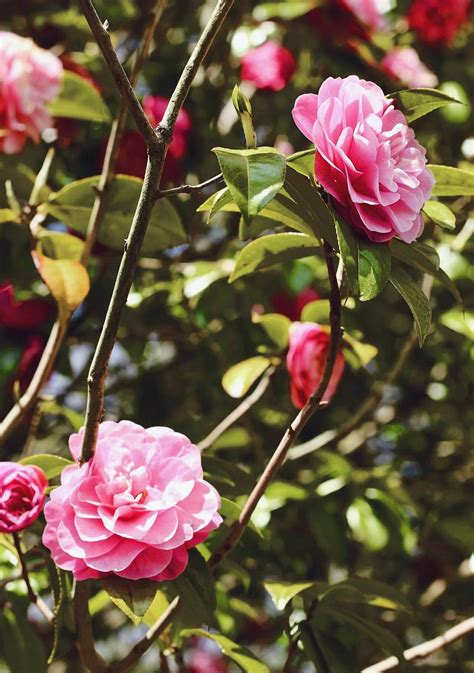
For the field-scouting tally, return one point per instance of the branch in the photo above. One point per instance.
(29, 397)
(190, 189)
(90, 657)
(311, 406)
(239, 411)
(32, 595)
(157, 154)
(425, 649)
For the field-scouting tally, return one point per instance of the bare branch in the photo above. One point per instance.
(239, 411)
(425, 649)
(90, 657)
(191, 189)
(311, 406)
(32, 595)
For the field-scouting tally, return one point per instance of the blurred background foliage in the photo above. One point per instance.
(390, 502)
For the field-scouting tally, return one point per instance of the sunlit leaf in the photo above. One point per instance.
(440, 214)
(239, 378)
(78, 99)
(67, 280)
(415, 103)
(275, 325)
(450, 181)
(51, 465)
(374, 269)
(133, 597)
(283, 592)
(240, 655)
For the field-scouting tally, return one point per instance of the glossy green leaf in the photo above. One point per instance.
(440, 214)
(78, 99)
(415, 298)
(316, 311)
(365, 525)
(415, 103)
(284, 10)
(461, 322)
(58, 245)
(156, 609)
(239, 378)
(51, 465)
(303, 162)
(450, 181)
(273, 249)
(133, 597)
(371, 592)
(374, 269)
(276, 326)
(243, 657)
(72, 205)
(283, 592)
(349, 249)
(253, 177)
(230, 512)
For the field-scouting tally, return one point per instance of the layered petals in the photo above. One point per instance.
(22, 495)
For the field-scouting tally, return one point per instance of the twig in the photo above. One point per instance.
(32, 595)
(311, 406)
(239, 411)
(425, 649)
(190, 189)
(111, 153)
(41, 375)
(90, 657)
(148, 639)
(157, 154)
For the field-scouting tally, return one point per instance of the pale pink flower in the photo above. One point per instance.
(403, 64)
(306, 361)
(367, 12)
(269, 66)
(135, 509)
(30, 77)
(367, 157)
(22, 496)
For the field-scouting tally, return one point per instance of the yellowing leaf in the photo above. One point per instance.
(67, 280)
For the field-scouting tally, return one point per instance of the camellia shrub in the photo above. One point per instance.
(236, 336)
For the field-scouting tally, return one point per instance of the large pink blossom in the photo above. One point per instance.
(367, 12)
(367, 157)
(404, 65)
(22, 496)
(133, 510)
(30, 77)
(306, 360)
(269, 66)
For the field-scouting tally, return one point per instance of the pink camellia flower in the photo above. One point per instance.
(21, 495)
(306, 360)
(403, 65)
(30, 77)
(368, 12)
(25, 314)
(135, 509)
(367, 157)
(205, 661)
(269, 66)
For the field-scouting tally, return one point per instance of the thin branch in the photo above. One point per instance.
(425, 649)
(32, 595)
(41, 375)
(90, 657)
(111, 152)
(239, 411)
(191, 189)
(122, 82)
(157, 155)
(148, 639)
(311, 406)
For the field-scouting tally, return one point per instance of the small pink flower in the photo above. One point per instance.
(30, 77)
(367, 12)
(306, 360)
(367, 157)
(21, 495)
(134, 509)
(403, 65)
(269, 66)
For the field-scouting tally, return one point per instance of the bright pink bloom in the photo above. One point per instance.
(26, 314)
(403, 65)
(269, 66)
(367, 157)
(30, 77)
(437, 22)
(21, 495)
(367, 12)
(306, 360)
(133, 510)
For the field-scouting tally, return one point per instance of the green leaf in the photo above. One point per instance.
(243, 657)
(73, 203)
(156, 609)
(364, 352)
(366, 527)
(374, 268)
(273, 249)
(440, 214)
(79, 100)
(133, 597)
(283, 592)
(51, 465)
(8, 215)
(450, 181)
(253, 177)
(349, 249)
(461, 322)
(284, 10)
(276, 326)
(303, 162)
(372, 592)
(67, 280)
(415, 103)
(20, 646)
(415, 298)
(316, 311)
(231, 511)
(424, 258)
(239, 378)
(58, 245)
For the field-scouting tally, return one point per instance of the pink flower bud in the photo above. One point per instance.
(21, 495)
